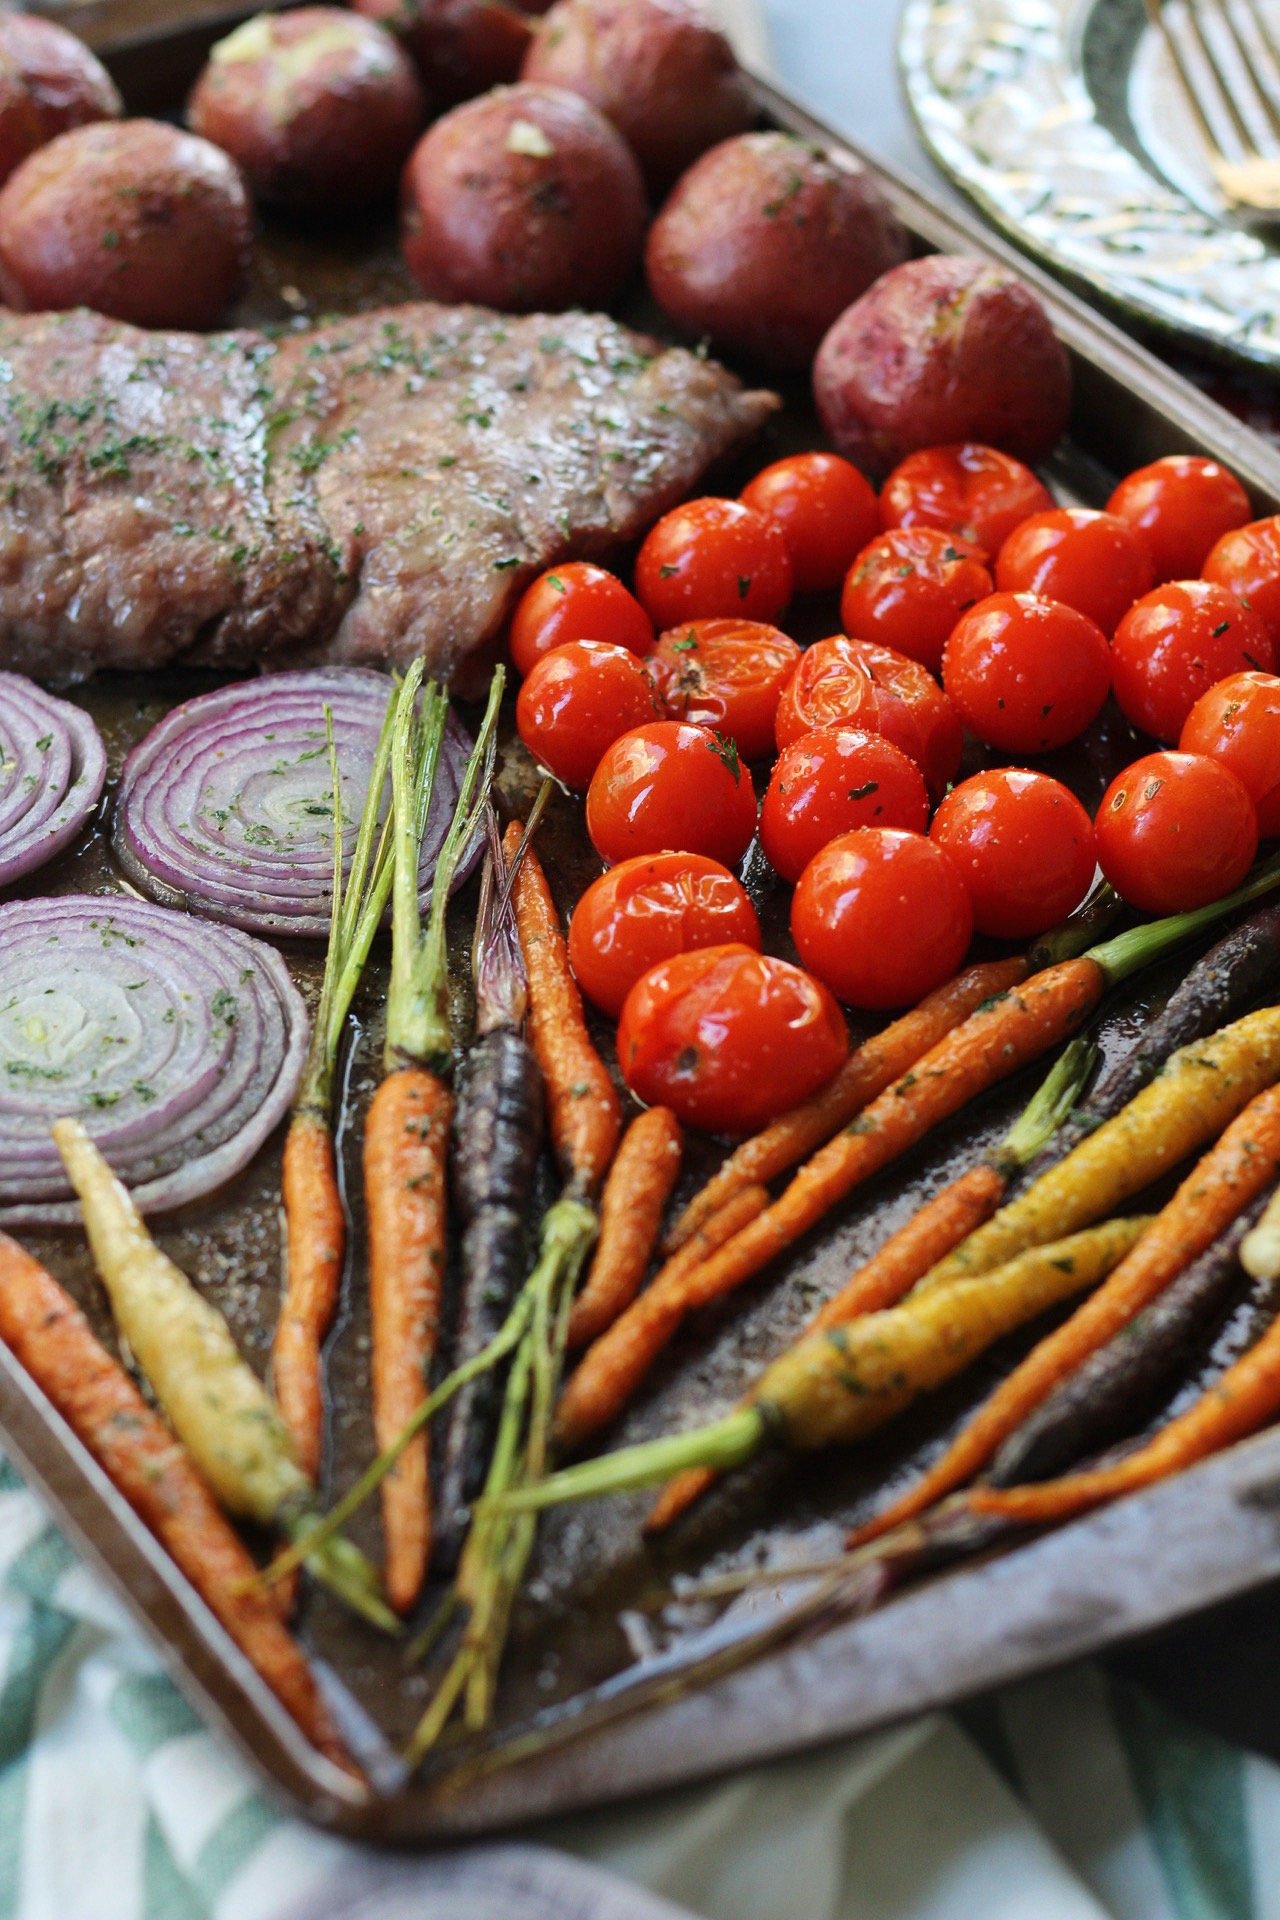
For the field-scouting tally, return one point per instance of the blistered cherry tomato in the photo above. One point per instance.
(729, 1039)
(1175, 831)
(1179, 507)
(826, 509)
(855, 683)
(831, 781)
(1090, 561)
(1237, 723)
(1174, 644)
(882, 917)
(1024, 845)
(713, 560)
(908, 588)
(576, 602)
(1247, 563)
(646, 910)
(1026, 674)
(670, 785)
(726, 674)
(967, 489)
(577, 701)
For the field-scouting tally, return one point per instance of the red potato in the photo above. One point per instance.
(765, 242)
(317, 107)
(49, 83)
(136, 220)
(661, 70)
(460, 47)
(524, 199)
(943, 349)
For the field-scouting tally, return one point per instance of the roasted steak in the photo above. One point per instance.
(375, 488)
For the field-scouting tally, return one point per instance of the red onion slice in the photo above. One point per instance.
(180, 1046)
(52, 768)
(225, 807)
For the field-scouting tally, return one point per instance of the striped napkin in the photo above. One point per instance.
(1065, 1799)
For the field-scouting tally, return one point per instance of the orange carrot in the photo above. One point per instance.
(315, 1245)
(1244, 1399)
(1231, 1174)
(406, 1147)
(993, 1043)
(870, 1068)
(615, 1364)
(50, 1337)
(882, 1281)
(644, 1171)
(584, 1111)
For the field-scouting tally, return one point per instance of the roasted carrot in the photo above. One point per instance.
(217, 1405)
(407, 1131)
(584, 1110)
(1234, 1172)
(1260, 1250)
(870, 1068)
(1244, 1399)
(614, 1365)
(50, 1337)
(938, 1226)
(645, 1169)
(313, 1218)
(835, 1387)
(1117, 1388)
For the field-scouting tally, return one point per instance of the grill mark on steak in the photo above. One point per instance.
(369, 490)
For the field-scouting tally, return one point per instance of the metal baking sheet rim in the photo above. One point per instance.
(1204, 1538)
(997, 92)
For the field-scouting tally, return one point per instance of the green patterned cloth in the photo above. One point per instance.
(1068, 1798)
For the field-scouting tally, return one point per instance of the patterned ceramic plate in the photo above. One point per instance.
(1065, 122)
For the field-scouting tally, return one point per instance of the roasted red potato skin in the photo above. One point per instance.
(523, 199)
(943, 349)
(49, 82)
(764, 243)
(661, 70)
(460, 47)
(135, 219)
(317, 107)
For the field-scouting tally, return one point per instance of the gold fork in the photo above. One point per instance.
(1228, 62)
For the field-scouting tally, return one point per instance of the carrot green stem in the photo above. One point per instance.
(723, 1445)
(1080, 932)
(1049, 1105)
(1142, 946)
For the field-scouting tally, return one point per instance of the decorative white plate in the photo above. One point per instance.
(1065, 121)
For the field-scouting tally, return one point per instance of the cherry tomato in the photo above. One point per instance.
(855, 683)
(1247, 563)
(729, 1039)
(1175, 831)
(1090, 561)
(1237, 723)
(671, 785)
(576, 602)
(577, 701)
(826, 509)
(974, 491)
(882, 917)
(909, 587)
(1026, 674)
(1174, 644)
(648, 910)
(830, 781)
(1179, 507)
(714, 560)
(726, 674)
(1024, 845)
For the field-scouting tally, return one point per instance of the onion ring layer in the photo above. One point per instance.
(52, 766)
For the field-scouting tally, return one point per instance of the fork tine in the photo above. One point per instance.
(1159, 20)
(1209, 53)
(1264, 92)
